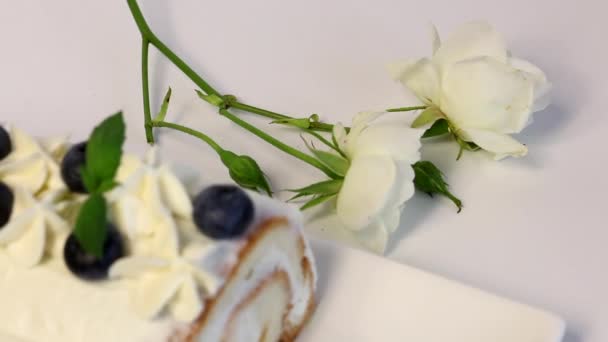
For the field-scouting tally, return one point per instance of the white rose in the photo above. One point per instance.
(378, 181)
(484, 92)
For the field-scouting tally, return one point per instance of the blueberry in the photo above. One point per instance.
(223, 211)
(87, 266)
(6, 146)
(70, 167)
(7, 200)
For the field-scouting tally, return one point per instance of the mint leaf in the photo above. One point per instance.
(104, 150)
(164, 107)
(316, 201)
(440, 127)
(245, 171)
(429, 115)
(91, 225)
(90, 182)
(107, 186)
(429, 178)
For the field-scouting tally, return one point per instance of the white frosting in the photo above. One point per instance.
(158, 289)
(33, 165)
(48, 304)
(162, 268)
(33, 229)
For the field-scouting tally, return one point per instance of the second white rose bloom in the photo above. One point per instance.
(484, 92)
(379, 179)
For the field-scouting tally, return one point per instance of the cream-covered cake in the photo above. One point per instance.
(229, 265)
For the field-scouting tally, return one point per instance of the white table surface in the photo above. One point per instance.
(533, 229)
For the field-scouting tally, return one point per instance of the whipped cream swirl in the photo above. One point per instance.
(33, 165)
(153, 210)
(34, 229)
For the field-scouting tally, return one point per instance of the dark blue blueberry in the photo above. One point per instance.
(73, 161)
(6, 146)
(87, 266)
(7, 199)
(223, 211)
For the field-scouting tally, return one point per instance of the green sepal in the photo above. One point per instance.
(164, 107)
(336, 163)
(428, 116)
(316, 201)
(439, 127)
(428, 178)
(328, 187)
(91, 225)
(465, 145)
(331, 186)
(245, 171)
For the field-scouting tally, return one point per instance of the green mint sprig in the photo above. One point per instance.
(103, 155)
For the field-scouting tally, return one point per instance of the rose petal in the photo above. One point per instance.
(340, 134)
(396, 140)
(474, 39)
(501, 145)
(422, 78)
(483, 93)
(396, 69)
(360, 122)
(373, 238)
(367, 185)
(542, 87)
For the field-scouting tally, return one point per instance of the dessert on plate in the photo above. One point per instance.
(223, 265)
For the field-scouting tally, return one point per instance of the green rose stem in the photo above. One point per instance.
(316, 126)
(191, 132)
(278, 144)
(225, 102)
(146, 91)
(148, 37)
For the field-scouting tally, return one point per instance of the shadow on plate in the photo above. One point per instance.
(572, 336)
(415, 213)
(325, 258)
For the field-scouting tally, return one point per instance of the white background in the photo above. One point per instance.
(533, 229)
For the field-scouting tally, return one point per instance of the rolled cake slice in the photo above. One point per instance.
(269, 294)
(230, 266)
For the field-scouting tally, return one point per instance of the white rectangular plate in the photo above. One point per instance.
(363, 297)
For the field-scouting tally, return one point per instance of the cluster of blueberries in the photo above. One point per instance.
(219, 212)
